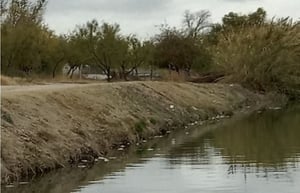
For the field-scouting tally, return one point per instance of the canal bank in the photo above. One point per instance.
(53, 126)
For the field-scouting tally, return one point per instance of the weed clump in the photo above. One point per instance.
(153, 121)
(5, 116)
(140, 126)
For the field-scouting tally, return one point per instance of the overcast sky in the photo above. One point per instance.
(141, 16)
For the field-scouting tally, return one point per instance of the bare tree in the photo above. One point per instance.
(195, 23)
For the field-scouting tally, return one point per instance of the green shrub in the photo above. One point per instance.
(140, 126)
(153, 121)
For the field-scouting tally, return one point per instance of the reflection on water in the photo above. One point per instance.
(260, 153)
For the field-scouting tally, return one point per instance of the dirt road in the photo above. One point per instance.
(5, 90)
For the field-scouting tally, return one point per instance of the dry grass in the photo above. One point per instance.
(6, 80)
(262, 57)
(45, 129)
(167, 75)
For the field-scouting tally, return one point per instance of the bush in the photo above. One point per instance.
(140, 126)
(153, 121)
(263, 57)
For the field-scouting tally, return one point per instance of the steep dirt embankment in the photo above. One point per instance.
(46, 127)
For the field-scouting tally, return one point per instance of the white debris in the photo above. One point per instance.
(9, 186)
(194, 108)
(275, 108)
(172, 106)
(173, 141)
(104, 159)
(23, 183)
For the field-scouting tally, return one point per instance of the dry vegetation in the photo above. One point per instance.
(51, 127)
(262, 57)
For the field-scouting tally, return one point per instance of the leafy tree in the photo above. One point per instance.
(182, 49)
(54, 54)
(76, 50)
(235, 21)
(102, 46)
(135, 57)
(111, 48)
(150, 60)
(21, 36)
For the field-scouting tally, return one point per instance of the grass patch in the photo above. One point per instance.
(140, 126)
(5, 116)
(153, 121)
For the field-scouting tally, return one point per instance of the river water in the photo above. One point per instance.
(257, 153)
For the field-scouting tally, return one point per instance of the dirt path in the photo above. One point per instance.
(6, 90)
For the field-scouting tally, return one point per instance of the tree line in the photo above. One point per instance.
(248, 49)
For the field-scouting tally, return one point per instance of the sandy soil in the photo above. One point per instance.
(44, 127)
(17, 89)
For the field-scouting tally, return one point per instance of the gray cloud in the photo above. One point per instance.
(104, 6)
(241, 0)
(141, 16)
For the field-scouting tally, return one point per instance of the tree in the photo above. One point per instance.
(103, 46)
(135, 56)
(54, 54)
(21, 36)
(111, 48)
(149, 52)
(184, 48)
(195, 23)
(76, 51)
(235, 21)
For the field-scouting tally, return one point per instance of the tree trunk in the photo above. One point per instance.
(136, 73)
(69, 71)
(73, 70)
(108, 74)
(151, 71)
(177, 70)
(123, 72)
(54, 70)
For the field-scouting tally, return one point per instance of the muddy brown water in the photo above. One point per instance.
(256, 153)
